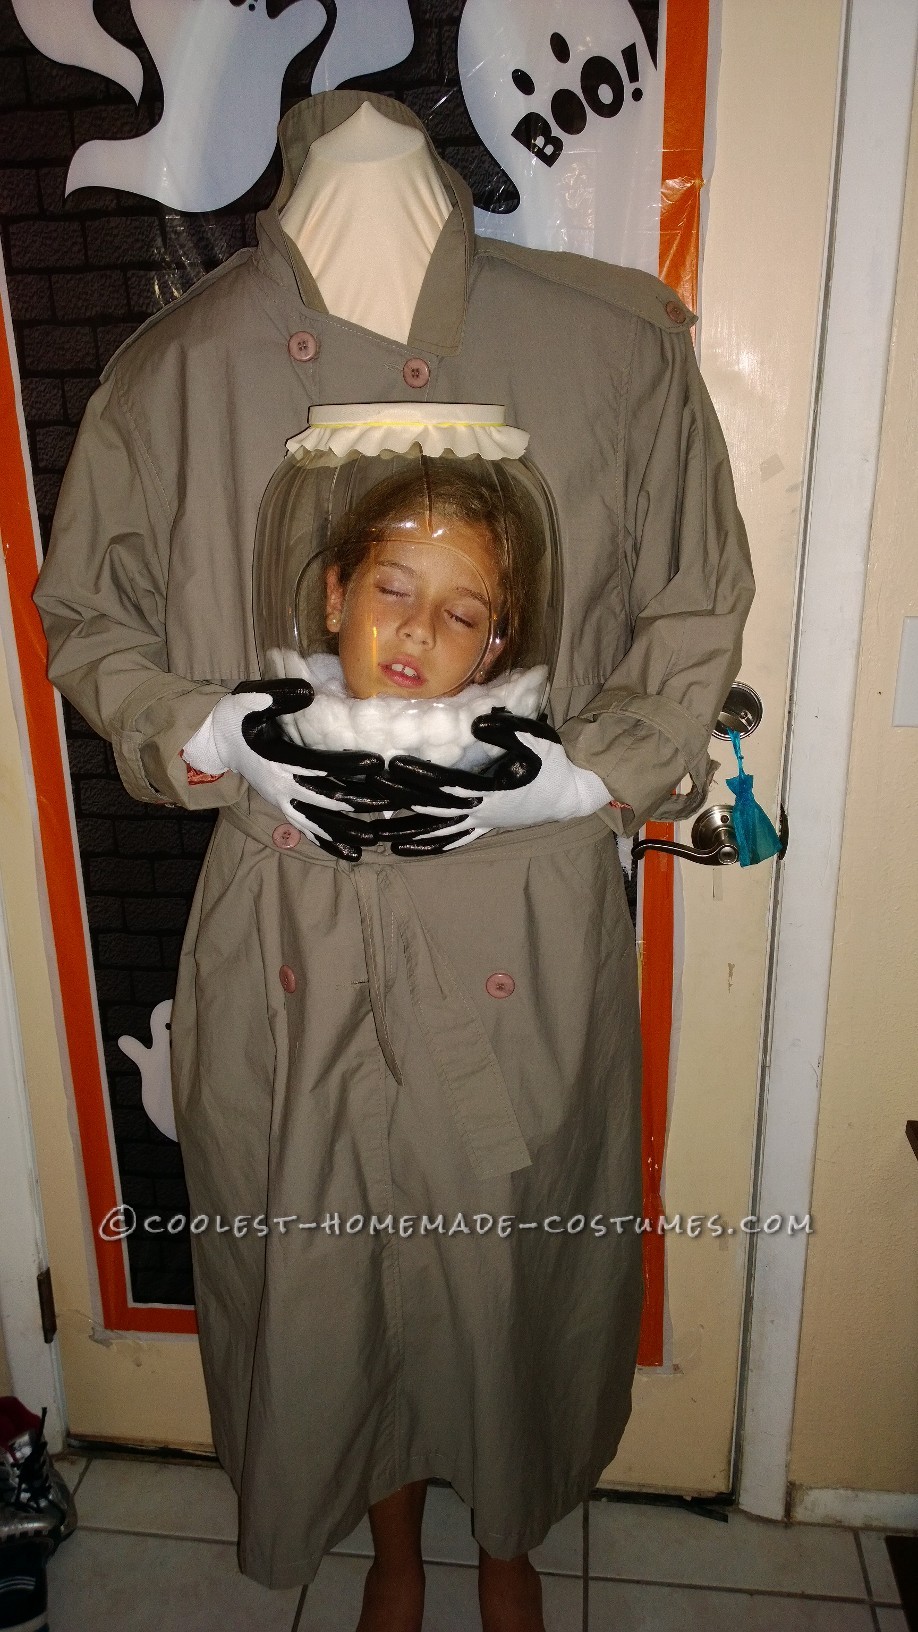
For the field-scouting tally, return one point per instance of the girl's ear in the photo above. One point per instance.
(334, 599)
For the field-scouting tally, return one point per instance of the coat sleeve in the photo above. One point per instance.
(101, 594)
(687, 586)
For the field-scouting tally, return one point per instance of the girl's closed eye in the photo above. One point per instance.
(467, 617)
(391, 587)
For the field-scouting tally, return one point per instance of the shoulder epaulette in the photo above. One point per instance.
(624, 286)
(166, 311)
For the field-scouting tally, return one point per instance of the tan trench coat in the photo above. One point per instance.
(341, 1363)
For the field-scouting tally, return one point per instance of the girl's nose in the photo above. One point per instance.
(417, 627)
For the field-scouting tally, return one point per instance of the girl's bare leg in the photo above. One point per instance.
(393, 1592)
(509, 1594)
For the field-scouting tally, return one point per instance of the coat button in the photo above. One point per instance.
(674, 312)
(416, 373)
(287, 978)
(286, 838)
(303, 346)
(500, 985)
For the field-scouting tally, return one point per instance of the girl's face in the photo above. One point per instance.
(416, 618)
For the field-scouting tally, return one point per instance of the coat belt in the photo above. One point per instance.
(449, 1022)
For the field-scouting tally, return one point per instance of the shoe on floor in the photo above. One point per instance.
(35, 1503)
(23, 1587)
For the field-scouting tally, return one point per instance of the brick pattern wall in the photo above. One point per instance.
(83, 273)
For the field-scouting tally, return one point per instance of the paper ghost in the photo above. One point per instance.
(221, 68)
(366, 39)
(568, 101)
(154, 1065)
(222, 65)
(67, 31)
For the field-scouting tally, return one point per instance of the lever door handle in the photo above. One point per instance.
(713, 839)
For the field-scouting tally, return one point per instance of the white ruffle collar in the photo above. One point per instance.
(435, 728)
(379, 428)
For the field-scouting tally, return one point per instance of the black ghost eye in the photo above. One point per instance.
(560, 48)
(524, 82)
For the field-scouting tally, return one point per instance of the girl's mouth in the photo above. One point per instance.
(403, 674)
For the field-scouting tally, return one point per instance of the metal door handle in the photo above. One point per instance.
(713, 839)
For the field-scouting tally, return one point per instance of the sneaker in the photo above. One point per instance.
(35, 1503)
(23, 1587)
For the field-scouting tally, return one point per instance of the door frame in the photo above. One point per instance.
(34, 1363)
(873, 122)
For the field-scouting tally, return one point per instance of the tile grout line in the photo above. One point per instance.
(585, 1574)
(875, 1619)
(299, 1611)
(585, 1566)
(151, 1535)
(558, 1575)
(82, 1475)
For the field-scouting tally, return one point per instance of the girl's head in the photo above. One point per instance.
(429, 580)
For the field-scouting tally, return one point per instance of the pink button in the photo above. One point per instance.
(303, 346)
(286, 838)
(500, 985)
(287, 978)
(416, 373)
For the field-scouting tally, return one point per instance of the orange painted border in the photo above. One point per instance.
(681, 178)
(680, 238)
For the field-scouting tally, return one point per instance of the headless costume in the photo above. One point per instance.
(455, 1036)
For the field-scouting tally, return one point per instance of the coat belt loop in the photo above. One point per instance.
(366, 883)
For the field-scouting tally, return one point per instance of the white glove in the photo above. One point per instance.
(559, 792)
(219, 745)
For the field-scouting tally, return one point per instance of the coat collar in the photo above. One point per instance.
(440, 312)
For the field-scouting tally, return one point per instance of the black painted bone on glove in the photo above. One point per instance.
(348, 775)
(421, 781)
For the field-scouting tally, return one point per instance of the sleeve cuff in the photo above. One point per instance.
(156, 722)
(642, 747)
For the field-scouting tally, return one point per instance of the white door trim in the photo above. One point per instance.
(877, 75)
(34, 1365)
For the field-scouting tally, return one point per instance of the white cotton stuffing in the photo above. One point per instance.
(436, 728)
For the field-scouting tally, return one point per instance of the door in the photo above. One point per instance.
(760, 313)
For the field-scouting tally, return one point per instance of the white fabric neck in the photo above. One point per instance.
(365, 213)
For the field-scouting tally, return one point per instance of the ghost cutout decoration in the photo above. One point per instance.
(221, 64)
(155, 1067)
(570, 104)
(67, 31)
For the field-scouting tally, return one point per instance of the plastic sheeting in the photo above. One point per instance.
(574, 131)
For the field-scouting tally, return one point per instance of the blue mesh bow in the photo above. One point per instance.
(756, 838)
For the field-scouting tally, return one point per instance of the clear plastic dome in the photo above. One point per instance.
(415, 590)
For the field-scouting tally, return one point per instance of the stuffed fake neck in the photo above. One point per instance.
(368, 199)
(434, 728)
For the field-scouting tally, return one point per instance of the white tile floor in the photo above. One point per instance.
(154, 1551)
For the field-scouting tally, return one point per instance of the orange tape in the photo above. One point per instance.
(680, 228)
